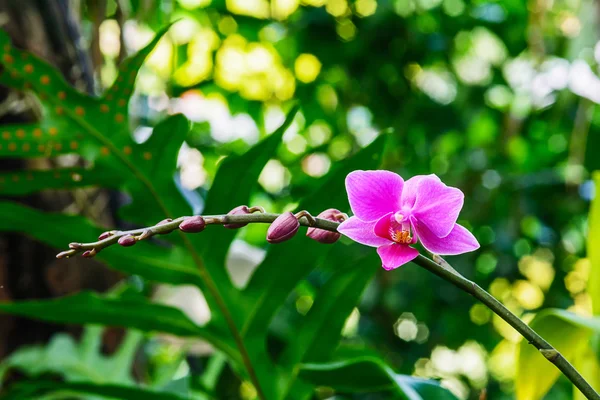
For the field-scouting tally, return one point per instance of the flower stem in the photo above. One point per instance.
(545, 348)
(441, 268)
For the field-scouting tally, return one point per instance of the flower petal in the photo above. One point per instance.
(458, 241)
(394, 255)
(361, 232)
(383, 225)
(409, 192)
(435, 204)
(372, 194)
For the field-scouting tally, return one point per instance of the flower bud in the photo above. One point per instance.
(239, 210)
(127, 241)
(65, 254)
(283, 228)
(193, 224)
(89, 253)
(105, 235)
(321, 235)
(75, 246)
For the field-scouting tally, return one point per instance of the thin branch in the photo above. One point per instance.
(441, 268)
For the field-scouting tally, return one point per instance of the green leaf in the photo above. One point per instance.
(91, 308)
(587, 363)
(271, 284)
(235, 181)
(568, 333)
(319, 332)
(77, 361)
(156, 159)
(593, 248)
(36, 389)
(27, 182)
(371, 374)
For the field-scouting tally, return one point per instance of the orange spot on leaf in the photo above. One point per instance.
(45, 79)
(74, 145)
(26, 147)
(41, 148)
(79, 110)
(28, 68)
(12, 146)
(20, 133)
(119, 118)
(147, 155)
(104, 151)
(58, 146)
(37, 132)
(16, 178)
(104, 108)
(59, 110)
(53, 131)
(6, 135)
(127, 150)
(121, 102)
(62, 95)
(8, 58)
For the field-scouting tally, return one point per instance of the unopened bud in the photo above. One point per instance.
(89, 253)
(239, 210)
(321, 235)
(283, 228)
(65, 254)
(105, 235)
(127, 241)
(193, 224)
(75, 246)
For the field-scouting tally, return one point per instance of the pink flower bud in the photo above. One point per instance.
(127, 241)
(89, 253)
(193, 224)
(321, 235)
(283, 228)
(239, 210)
(105, 235)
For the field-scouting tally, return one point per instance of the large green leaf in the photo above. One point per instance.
(287, 263)
(317, 335)
(233, 185)
(37, 389)
(91, 308)
(568, 333)
(371, 374)
(593, 247)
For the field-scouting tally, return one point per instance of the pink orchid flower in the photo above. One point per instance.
(391, 214)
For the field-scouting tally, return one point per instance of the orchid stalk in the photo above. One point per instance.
(389, 214)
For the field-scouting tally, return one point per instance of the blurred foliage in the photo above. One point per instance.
(496, 97)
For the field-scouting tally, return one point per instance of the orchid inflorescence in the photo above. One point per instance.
(389, 214)
(283, 227)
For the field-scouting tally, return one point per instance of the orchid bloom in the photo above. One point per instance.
(391, 214)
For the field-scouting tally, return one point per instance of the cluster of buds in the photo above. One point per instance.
(283, 227)
(287, 224)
